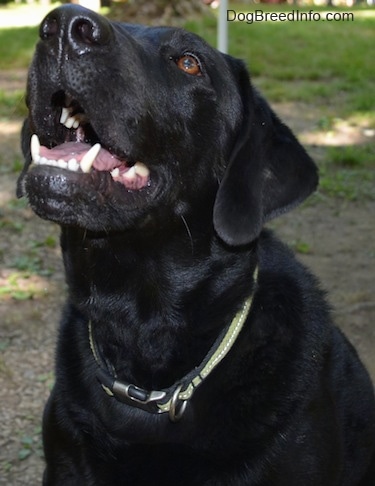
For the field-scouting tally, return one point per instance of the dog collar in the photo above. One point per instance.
(172, 400)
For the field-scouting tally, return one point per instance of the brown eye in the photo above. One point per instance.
(189, 64)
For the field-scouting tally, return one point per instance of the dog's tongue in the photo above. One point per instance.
(77, 150)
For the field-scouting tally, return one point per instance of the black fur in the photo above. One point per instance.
(160, 271)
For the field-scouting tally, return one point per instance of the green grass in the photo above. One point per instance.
(17, 46)
(348, 184)
(12, 104)
(16, 49)
(348, 172)
(352, 156)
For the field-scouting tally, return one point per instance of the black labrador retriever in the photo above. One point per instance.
(194, 349)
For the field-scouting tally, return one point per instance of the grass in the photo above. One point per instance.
(352, 156)
(12, 105)
(348, 184)
(348, 172)
(20, 286)
(17, 46)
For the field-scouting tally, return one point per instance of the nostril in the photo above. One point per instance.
(49, 28)
(90, 30)
(86, 31)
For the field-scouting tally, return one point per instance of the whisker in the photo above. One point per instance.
(189, 233)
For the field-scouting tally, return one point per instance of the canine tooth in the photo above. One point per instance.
(141, 169)
(64, 115)
(115, 172)
(89, 157)
(130, 174)
(35, 148)
(73, 165)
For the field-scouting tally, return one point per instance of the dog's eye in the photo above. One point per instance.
(189, 64)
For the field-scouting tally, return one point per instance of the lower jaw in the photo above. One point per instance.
(65, 197)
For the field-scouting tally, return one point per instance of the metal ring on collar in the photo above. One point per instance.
(177, 407)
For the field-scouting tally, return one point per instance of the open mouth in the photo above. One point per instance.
(82, 151)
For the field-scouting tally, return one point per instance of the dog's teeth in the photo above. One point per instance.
(64, 115)
(67, 120)
(62, 164)
(89, 157)
(115, 172)
(141, 169)
(73, 165)
(130, 174)
(70, 122)
(35, 148)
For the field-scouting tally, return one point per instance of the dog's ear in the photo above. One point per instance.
(268, 173)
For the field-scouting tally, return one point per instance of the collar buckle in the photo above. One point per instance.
(136, 394)
(130, 394)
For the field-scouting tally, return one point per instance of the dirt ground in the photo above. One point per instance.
(335, 238)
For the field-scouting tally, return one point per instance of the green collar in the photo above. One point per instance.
(173, 400)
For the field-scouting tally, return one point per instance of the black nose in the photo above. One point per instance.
(75, 27)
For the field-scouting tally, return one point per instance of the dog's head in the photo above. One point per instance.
(133, 126)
